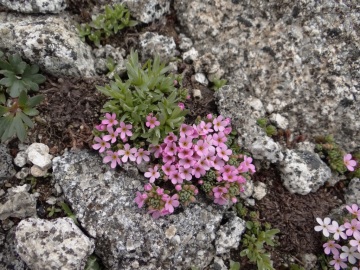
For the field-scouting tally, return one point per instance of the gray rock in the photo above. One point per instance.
(352, 194)
(304, 67)
(9, 259)
(38, 154)
(146, 10)
(185, 43)
(103, 202)
(56, 244)
(6, 167)
(35, 6)
(229, 235)
(50, 42)
(18, 203)
(219, 264)
(103, 53)
(154, 44)
(36, 171)
(244, 110)
(201, 78)
(248, 189)
(23, 173)
(260, 191)
(279, 121)
(20, 159)
(190, 55)
(303, 172)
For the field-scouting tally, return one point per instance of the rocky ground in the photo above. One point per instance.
(295, 63)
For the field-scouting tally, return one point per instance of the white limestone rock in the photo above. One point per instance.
(303, 172)
(229, 235)
(260, 191)
(38, 154)
(154, 44)
(20, 159)
(51, 42)
(18, 203)
(190, 55)
(201, 78)
(56, 244)
(36, 171)
(279, 121)
(35, 6)
(146, 11)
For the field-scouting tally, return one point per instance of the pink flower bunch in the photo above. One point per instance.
(112, 131)
(200, 150)
(344, 239)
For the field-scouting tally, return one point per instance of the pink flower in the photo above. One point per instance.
(349, 162)
(201, 148)
(113, 157)
(112, 134)
(102, 144)
(219, 124)
(127, 153)
(141, 154)
(356, 242)
(354, 210)
(151, 121)
(125, 130)
(219, 139)
(186, 162)
(140, 199)
(185, 152)
(204, 128)
(181, 106)
(175, 177)
(109, 120)
(167, 168)
(156, 150)
(337, 230)
(198, 171)
(153, 174)
(352, 227)
(100, 127)
(185, 142)
(223, 153)
(185, 173)
(170, 149)
(170, 138)
(331, 246)
(338, 263)
(209, 116)
(349, 254)
(217, 163)
(186, 130)
(324, 226)
(171, 203)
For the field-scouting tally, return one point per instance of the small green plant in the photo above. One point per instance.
(296, 267)
(147, 91)
(19, 76)
(334, 156)
(268, 128)
(69, 213)
(14, 119)
(52, 210)
(255, 237)
(113, 20)
(234, 265)
(218, 83)
(92, 263)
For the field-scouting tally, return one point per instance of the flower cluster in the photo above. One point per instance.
(344, 239)
(200, 155)
(112, 130)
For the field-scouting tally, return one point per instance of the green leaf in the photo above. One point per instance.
(5, 123)
(26, 119)
(234, 265)
(35, 100)
(3, 110)
(31, 111)
(23, 98)
(69, 213)
(2, 98)
(20, 129)
(16, 87)
(92, 263)
(7, 128)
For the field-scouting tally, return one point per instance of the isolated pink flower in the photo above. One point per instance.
(331, 246)
(141, 154)
(324, 226)
(349, 162)
(112, 157)
(171, 203)
(101, 145)
(153, 174)
(181, 106)
(100, 127)
(112, 134)
(127, 153)
(110, 120)
(125, 130)
(140, 199)
(151, 121)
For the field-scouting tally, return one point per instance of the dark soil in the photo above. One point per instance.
(73, 106)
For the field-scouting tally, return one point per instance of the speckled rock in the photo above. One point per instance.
(18, 203)
(102, 55)
(244, 110)
(303, 172)
(35, 6)
(300, 58)
(6, 167)
(55, 244)
(229, 235)
(125, 235)
(9, 259)
(154, 44)
(51, 42)
(146, 11)
(352, 194)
